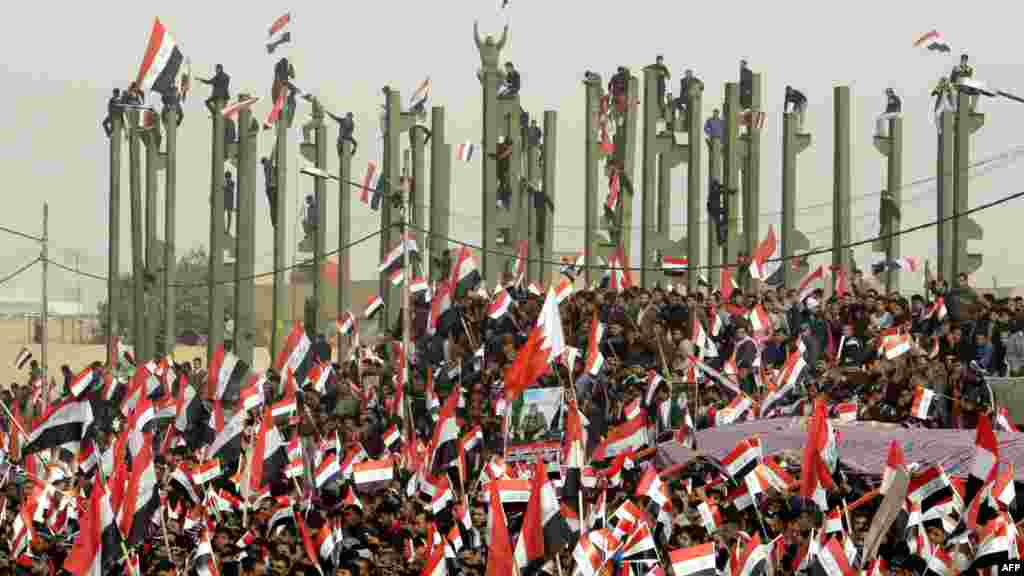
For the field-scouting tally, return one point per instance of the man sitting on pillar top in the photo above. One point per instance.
(490, 52)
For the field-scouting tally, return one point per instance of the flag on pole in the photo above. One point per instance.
(933, 41)
(160, 64)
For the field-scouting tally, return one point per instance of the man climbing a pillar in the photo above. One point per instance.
(113, 111)
(617, 87)
(510, 89)
(346, 130)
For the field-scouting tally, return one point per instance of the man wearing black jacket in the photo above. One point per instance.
(221, 83)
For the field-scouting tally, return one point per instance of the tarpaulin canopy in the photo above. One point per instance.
(863, 446)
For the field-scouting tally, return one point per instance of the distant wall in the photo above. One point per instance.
(64, 330)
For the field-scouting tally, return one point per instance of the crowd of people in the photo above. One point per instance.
(386, 463)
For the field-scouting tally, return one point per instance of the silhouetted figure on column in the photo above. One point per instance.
(113, 111)
(229, 201)
(746, 86)
(513, 82)
(270, 187)
(346, 130)
(798, 101)
(221, 83)
(663, 77)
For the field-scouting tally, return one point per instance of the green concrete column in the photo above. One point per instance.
(945, 197)
(841, 179)
(114, 234)
(138, 256)
(531, 213)
(170, 230)
(391, 175)
(215, 317)
(344, 275)
(891, 146)
(279, 330)
(549, 173)
(694, 182)
(419, 184)
(320, 233)
(245, 237)
(153, 165)
(440, 191)
(591, 205)
(489, 177)
(730, 170)
(714, 175)
(752, 172)
(964, 229)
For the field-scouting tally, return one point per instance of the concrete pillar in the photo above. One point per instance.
(170, 229)
(532, 212)
(138, 257)
(591, 205)
(549, 179)
(891, 146)
(440, 191)
(215, 318)
(625, 153)
(964, 229)
(390, 178)
(114, 234)
(417, 187)
(245, 238)
(279, 330)
(730, 170)
(694, 182)
(320, 233)
(489, 176)
(791, 239)
(945, 197)
(714, 175)
(841, 179)
(661, 153)
(510, 221)
(344, 271)
(751, 167)
(153, 166)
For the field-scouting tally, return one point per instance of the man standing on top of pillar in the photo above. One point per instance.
(663, 77)
(685, 83)
(799, 102)
(346, 129)
(113, 111)
(510, 89)
(490, 52)
(893, 107)
(221, 83)
(746, 86)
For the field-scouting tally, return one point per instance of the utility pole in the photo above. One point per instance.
(114, 232)
(841, 180)
(320, 231)
(152, 142)
(594, 93)
(45, 256)
(344, 277)
(440, 192)
(731, 172)
(891, 146)
(215, 314)
(694, 182)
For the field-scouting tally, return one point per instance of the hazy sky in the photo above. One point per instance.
(58, 73)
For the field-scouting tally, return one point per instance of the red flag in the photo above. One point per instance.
(500, 561)
(814, 473)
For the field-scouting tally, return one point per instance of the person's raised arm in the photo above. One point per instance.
(476, 33)
(504, 37)
(333, 117)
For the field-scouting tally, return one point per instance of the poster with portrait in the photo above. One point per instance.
(534, 423)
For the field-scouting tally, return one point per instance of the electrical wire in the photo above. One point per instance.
(348, 246)
(20, 234)
(802, 255)
(14, 274)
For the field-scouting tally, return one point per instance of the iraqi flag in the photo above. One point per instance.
(626, 437)
(694, 561)
(819, 459)
(765, 250)
(595, 359)
(544, 529)
(922, 403)
(894, 462)
(466, 150)
(372, 306)
(373, 472)
(292, 355)
(465, 277)
(499, 305)
(22, 358)
(279, 24)
(932, 41)
(269, 456)
(231, 112)
(444, 444)
(743, 458)
(141, 500)
(227, 373)
(97, 548)
(672, 266)
(82, 381)
(63, 424)
(161, 62)
(346, 323)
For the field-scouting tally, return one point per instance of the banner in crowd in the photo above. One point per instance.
(534, 425)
